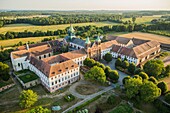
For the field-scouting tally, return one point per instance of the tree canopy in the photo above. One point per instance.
(132, 68)
(39, 109)
(163, 86)
(96, 73)
(108, 57)
(149, 91)
(154, 67)
(27, 98)
(4, 71)
(132, 86)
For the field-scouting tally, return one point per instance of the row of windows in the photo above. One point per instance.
(64, 83)
(63, 74)
(64, 78)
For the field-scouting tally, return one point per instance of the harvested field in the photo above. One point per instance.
(148, 36)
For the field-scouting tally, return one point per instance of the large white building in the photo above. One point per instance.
(60, 70)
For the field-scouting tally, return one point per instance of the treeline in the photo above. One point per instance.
(5, 55)
(65, 19)
(84, 31)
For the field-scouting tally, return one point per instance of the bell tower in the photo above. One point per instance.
(98, 41)
(71, 32)
(87, 43)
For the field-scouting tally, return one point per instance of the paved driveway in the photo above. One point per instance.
(112, 66)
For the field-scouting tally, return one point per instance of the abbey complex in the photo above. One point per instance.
(57, 71)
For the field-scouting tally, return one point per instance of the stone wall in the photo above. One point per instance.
(6, 87)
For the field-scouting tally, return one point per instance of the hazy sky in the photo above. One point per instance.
(85, 4)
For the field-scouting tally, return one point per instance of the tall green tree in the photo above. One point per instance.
(96, 73)
(133, 19)
(153, 79)
(108, 57)
(154, 67)
(132, 86)
(125, 64)
(27, 98)
(4, 71)
(114, 75)
(132, 68)
(107, 71)
(118, 62)
(149, 91)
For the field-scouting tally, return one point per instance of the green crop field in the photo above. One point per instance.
(144, 19)
(28, 27)
(11, 42)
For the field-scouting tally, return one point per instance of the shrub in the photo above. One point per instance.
(69, 97)
(125, 78)
(114, 75)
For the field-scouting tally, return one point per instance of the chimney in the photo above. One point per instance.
(27, 46)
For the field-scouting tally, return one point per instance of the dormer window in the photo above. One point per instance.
(53, 73)
(59, 70)
(72, 66)
(66, 67)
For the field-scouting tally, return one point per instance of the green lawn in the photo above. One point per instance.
(28, 27)
(29, 76)
(143, 20)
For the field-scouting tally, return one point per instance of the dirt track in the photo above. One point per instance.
(148, 36)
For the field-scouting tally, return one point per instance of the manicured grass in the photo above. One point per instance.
(86, 89)
(4, 83)
(50, 27)
(144, 19)
(11, 42)
(17, 25)
(30, 76)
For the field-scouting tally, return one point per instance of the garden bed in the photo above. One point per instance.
(28, 77)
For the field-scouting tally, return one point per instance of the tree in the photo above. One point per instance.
(111, 100)
(27, 98)
(133, 19)
(143, 75)
(163, 86)
(149, 91)
(167, 70)
(96, 73)
(132, 86)
(89, 62)
(153, 79)
(154, 67)
(39, 109)
(114, 75)
(107, 71)
(125, 64)
(108, 57)
(118, 62)
(132, 68)
(125, 78)
(4, 71)
(138, 70)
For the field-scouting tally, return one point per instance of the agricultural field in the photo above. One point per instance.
(11, 42)
(144, 19)
(20, 17)
(28, 27)
(147, 36)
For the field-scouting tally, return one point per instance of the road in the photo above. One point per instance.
(112, 66)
